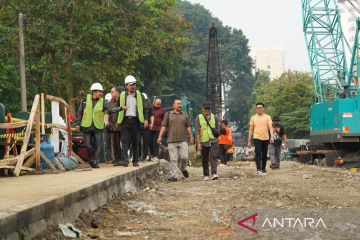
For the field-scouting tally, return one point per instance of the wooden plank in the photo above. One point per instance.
(57, 99)
(37, 140)
(15, 159)
(13, 125)
(58, 163)
(48, 161)
(42, 114)
(55, 125)
(80, 159)
(14, 167)
(27, 135)
(30, 161)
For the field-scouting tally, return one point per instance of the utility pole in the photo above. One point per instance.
(22, 63)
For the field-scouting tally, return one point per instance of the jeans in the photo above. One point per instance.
(209, 153)
(261, 149)
(179, 154)
(153, 145)
(129, 138)
(274, 152)
(93, 142)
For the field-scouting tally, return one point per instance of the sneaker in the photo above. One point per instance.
(206, 178)
(214, 177)
(263, 172)
(185, 173)
(172, 179)
(258, 172)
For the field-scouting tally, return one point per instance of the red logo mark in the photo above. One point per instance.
(253, 217)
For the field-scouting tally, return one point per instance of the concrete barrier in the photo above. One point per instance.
(25, 222)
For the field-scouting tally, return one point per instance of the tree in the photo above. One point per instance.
(70, 44)
(290, 97)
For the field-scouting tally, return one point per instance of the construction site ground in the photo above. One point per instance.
(195, 209)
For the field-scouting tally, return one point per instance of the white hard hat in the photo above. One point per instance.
(108, 97)
(145, 96)
(96, 86)
(130, 79)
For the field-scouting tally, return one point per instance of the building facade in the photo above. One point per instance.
(270, 59)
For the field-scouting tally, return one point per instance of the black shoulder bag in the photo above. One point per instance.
(215, 131)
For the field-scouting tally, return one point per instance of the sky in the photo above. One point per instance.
(266, 23)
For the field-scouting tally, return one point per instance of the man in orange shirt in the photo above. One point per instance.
(259, 131)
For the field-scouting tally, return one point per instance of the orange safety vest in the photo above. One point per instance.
(226, 139)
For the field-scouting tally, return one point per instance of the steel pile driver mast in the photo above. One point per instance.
(213, 79)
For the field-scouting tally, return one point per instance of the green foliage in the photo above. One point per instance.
(290, 97)
(235, 62)
(70, 44)
(164, 44)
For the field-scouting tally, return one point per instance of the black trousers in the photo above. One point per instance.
(209, 153)
(129, 138)
(116, 145)
(154, 146)
(143, 143)
(223, 156)
(108, 151)
(261, 149)
(93, 142)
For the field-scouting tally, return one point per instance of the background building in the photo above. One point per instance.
(269, 59)
(349, 11)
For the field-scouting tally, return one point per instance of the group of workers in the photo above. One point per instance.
(130, 121)
(125, 117)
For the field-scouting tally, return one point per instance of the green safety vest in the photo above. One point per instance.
(139, 106)
(96, 114)
(205, 131)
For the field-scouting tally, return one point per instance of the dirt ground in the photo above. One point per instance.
(194, 209)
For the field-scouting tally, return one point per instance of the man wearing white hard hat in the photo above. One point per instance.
(91, 121)
(131, 119)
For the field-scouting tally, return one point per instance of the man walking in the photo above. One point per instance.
(225, 142)
(91, 122)
(112, 127)
(158, 113)
(177, 124)
(130, 120)
(260, 129)
(207, 143)
(275, 148)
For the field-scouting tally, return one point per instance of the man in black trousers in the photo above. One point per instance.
(131, 119)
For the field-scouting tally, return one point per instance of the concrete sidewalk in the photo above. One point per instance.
(30, 203)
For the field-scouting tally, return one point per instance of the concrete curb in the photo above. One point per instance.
(28, 223)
